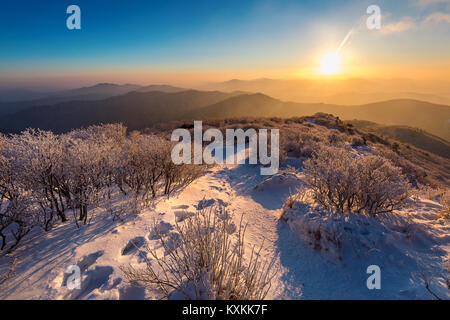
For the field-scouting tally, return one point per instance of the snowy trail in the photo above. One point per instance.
(102, 247)
(43, 258)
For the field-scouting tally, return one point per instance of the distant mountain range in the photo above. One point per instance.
(353, 91)
(14, 95)
(145, 106)
(427, 116)
(136, 110)
(413, 136)
(16, 100)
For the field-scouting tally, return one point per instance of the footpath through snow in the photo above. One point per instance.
(101, 247)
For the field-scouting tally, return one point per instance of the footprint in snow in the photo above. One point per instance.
(96, 278)
(84, 263)
(202, 204)
(163, 228)
(173, 242)
(181, 206)
(133, 245)
(183, 215)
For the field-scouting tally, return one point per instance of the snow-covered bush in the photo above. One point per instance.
(18, 219)
(37, 159)
(178, 176)
(300, 195)
(203, 262)
(358, 141)
(16, 216)
(86, 167)
(147, 170)
(43, 175)
(349, 183)
(349, 235)
(300, 143)
(413, 173)
(142, 161)
(382, 188)
(321, 230)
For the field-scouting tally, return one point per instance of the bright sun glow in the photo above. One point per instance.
(330, 63)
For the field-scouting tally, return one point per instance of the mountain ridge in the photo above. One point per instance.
(140, 109)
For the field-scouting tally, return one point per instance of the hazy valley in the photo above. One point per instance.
(146, 106)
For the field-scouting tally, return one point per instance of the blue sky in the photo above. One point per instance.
(248, 36)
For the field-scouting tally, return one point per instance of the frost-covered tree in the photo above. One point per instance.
(16, 215)
(142, 161)
(343, 181)
(382, 186)
(90, 164)
(37, 157)
(43, 175)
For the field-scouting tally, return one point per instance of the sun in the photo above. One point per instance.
(330, 63)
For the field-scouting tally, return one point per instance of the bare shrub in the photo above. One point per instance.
(142, 161)
(343, 181)
(331, 174)
(147, 170)
(436, 194)
(336, 138)
(382, 187)
(445, 202)
(427, 192)
(87, 166)
(413, 173)
(10, 273)
(299, 143)
(177, 176)
(298, 196)
(358, 141)
(205, 263)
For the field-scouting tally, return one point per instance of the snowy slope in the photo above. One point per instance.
(101, 247)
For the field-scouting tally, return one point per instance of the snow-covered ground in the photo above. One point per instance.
(305, 273)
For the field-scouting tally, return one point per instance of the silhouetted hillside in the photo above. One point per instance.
(136, 110)
(245, 105)
(14, 95)
(97, 92)
(160, 87)
(416, 137)
(140, 109)
(430, 117)
(351, 91)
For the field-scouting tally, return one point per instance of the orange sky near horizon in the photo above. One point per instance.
(256, 40)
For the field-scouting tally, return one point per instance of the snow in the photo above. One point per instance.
(403, 245)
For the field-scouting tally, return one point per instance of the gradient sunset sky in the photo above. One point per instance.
(190, 42)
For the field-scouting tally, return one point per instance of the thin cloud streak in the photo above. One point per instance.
(406, 23)
(426, 3)
(437, 17)
(409, 23)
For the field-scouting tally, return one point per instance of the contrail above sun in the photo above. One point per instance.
(331, 61)
(347, 37)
